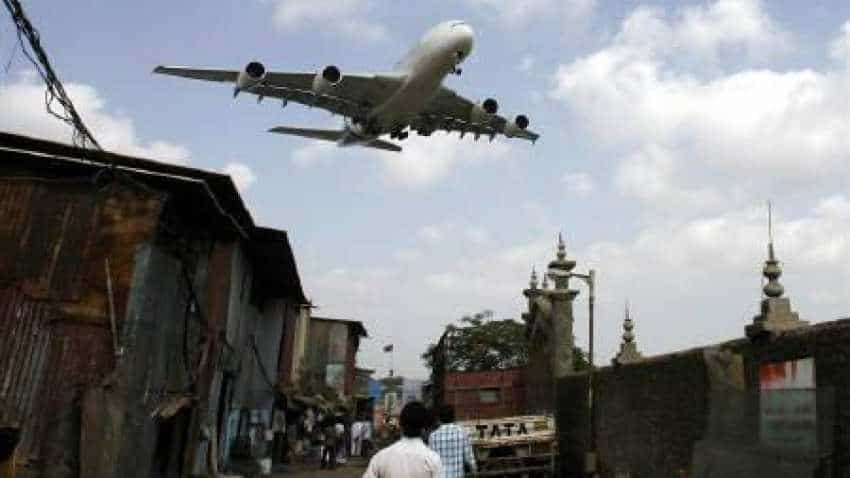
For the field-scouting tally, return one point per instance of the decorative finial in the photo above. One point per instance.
(533, 282)
(772, 269)
(545, 280)
(562, 248)
(628, 325)
(628, 348)
(776, 314)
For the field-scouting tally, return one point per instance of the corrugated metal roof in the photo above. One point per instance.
(274, 264)
(204, 197)
(358, 327)
(220, 185)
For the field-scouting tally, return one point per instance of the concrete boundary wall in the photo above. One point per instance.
(653, 415)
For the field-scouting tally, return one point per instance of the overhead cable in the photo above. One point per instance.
(55, 92)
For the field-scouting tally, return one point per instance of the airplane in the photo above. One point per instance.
(411, 98)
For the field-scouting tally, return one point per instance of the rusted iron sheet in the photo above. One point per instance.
(55, 236)
(102, 418)
(24, 341)
(46, 223)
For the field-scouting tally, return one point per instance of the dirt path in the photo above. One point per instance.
(353, 469)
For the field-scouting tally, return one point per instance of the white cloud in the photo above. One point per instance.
(526, 64)
(578, 184)
(407, 255)
(731, 27)
(433, 233)
(348, 17)
(428, 160)
(672, 129)
(517, 13)
(839, 49)
(424, 162)
(476, 234)
(436, 233)
(241, 174)
(22, 111)
(708, 28)
(315, 152)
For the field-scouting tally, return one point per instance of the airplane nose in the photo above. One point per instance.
(465, 37)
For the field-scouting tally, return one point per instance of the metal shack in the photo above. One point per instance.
(141, 313)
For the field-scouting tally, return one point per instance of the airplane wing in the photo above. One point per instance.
(451, 112)
(353, 96)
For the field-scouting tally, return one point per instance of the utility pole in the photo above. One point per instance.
(590, 458)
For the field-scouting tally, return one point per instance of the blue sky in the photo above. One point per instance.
(665, 127)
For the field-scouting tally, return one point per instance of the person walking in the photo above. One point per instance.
(453, 444)
(408, 457)
(329, 443)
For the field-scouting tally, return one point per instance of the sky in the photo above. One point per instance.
(665, 126)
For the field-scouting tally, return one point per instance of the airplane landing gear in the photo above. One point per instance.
(398, 134)
(456, 69)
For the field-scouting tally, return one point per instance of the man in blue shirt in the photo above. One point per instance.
(453, 444)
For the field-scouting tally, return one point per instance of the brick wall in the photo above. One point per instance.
(489, 394)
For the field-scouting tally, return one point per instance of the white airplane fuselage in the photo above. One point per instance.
(438, 54)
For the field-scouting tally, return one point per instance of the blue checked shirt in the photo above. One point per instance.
(452, 443)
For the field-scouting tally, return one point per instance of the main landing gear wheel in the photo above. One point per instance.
(398, 134)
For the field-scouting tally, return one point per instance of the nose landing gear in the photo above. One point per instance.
(456, 69)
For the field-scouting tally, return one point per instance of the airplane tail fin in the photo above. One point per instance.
(385, 145)
(332, 135)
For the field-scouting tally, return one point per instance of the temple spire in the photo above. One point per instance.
(772, 269)
(776, 313)
(532, 283)
(628, 348)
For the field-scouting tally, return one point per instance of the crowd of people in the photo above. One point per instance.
(341, 439)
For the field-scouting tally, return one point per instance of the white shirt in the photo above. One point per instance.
(357, 430)
(408, 457)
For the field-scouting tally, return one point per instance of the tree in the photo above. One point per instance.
(480, 344)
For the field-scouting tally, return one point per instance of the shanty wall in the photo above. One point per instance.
(329, 345)
(295, 326)
(254, 331)
(160, 336)
(678, 413)
(54, 324)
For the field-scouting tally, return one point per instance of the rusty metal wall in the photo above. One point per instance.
(55, 338)
(24, 340)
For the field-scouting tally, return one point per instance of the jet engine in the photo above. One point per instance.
(514, 128)
(253, 74)
(483, 112)
(326, 80)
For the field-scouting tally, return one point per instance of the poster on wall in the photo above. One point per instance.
(788, 405)
(788, 375)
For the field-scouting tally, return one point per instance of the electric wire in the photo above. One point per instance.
(55, 91)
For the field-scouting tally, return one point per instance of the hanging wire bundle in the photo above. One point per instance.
(55, 92)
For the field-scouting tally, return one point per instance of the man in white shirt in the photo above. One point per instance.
(408, 457)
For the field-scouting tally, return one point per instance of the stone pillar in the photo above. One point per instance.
(561, 297)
